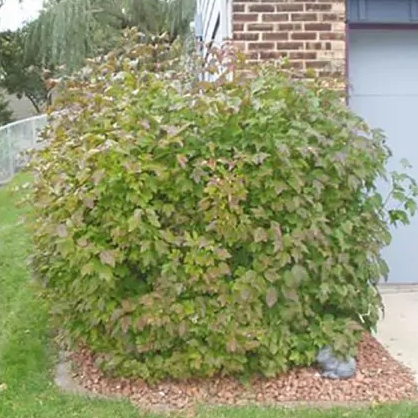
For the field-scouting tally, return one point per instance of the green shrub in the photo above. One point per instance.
(187, 229)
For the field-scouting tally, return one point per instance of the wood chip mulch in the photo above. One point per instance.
(379, 378)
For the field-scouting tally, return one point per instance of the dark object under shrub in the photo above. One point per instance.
(185, 230)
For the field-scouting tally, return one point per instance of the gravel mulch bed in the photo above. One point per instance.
(380, 378)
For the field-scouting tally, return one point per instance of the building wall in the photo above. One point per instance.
(311, 33)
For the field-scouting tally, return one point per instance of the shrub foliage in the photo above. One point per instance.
(188, 229)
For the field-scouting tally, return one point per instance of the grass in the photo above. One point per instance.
(27, 360)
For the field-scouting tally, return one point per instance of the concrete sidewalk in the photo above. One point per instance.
(398, 330)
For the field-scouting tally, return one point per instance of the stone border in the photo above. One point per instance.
(63, 378)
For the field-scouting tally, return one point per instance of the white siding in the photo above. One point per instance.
(216, 17)
(210, 11)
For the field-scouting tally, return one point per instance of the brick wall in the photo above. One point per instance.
(311, 33)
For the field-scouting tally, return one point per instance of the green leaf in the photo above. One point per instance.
(104, 272)
(260, 235)
(135, 220)
(277, 236)
(411, 207)
(87, 269)
(405, 163)
(299, 274)
(347, 227)
(271, 275)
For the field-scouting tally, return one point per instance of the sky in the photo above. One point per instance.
(13, 14)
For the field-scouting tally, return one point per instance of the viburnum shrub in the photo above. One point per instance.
(187, 228)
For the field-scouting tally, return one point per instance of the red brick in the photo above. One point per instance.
(302, 55)
(304, 36)
(289, 7)
(318, 7)
(275, 17)
(333, 17)
(246, 36)
(289, 45)
(317, 64)
(317, 46)
(266, 55)
(304, 17)
(276, 36)
(238, 27)
(289, 26)
(260, 45)
(332, 36)
(263, 8)
(245, 17)
(320, 27)
(239, 8)
(260, 27)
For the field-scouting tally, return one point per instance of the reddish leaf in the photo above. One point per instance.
(232, 345)
(182, 328)
(290, 294)
(62, 231)
(271, 297)
(222, 253)
(182, 160)
(89, 202)
(107, 257)
(126, 323)
(82, 242)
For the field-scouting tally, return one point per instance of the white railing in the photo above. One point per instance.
(16, 138)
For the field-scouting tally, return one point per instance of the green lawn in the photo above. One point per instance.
(26, 359)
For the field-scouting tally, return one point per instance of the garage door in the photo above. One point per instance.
(383, 72)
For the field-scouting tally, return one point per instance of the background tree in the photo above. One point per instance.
(21, 68)
(6, 114)
(68, 31)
